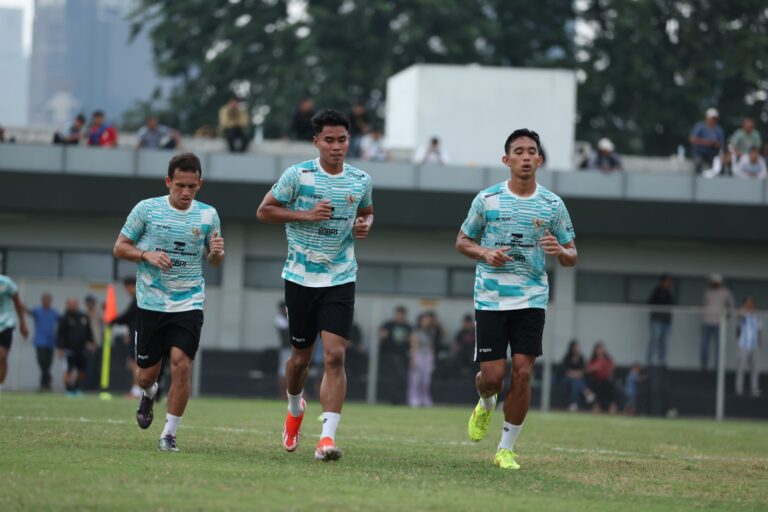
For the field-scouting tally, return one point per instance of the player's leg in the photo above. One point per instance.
(149, 347)
(6, 337)
(491, 340)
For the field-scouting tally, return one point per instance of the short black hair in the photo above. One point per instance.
(185, 162)
(519, 134)
(329, 117)
(80, 117)
(98, 113)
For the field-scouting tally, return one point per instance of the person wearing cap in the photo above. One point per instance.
(707, 139)
(605, 158)
(717, 300)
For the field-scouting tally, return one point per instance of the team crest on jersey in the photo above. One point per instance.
(197, 232)
(538, 223)
(351, 199)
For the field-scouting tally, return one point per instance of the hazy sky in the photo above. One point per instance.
(27, 5)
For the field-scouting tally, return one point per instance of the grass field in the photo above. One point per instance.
(70, 454)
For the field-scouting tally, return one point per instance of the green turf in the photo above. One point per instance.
(70, 454)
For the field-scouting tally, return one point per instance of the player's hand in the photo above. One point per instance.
(321, 211)
(24, 330)
(158, 259)
(550, 244)
(91, 346)
(361, 228)
(497, 257)
(216, 245)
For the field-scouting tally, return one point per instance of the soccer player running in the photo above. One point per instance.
(9, 301)
(168, 237)
(325, 205)
(518, 222)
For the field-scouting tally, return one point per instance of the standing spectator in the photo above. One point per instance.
(574, 368)
(422, 360)
(74, 134)
(661, 320)
(372, 146)
(301, 122)
(750, 333)
(751, 165)
(45, 318)
(129, 318)
(284, 336)
(74, 338)
(431, 154)
(154, 135)
(707, 139)
(359, 124)
(96, 322)
(9, 299)
(233, 125)
(394, 340)
(632, 389)
(463, 349)
(717, 301)
(745, 138)
(600, 370)
(101, 133)
(605, 158)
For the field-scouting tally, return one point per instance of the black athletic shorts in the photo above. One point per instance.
(77, 361)
(519, 329)
(6, 337)
(312, 310)
(157, 332)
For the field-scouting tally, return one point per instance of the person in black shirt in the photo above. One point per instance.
(394, 347)
(129, 317)
(301, 123)
(358, 120)
(464, 345)
(74, 338)
(661, 320)
(574, 367)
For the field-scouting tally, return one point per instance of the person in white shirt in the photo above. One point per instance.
(372, 147)
(717, 301)
(750, 334)
(751, 165)
(432, 154)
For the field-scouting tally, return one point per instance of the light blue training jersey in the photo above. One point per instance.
(155, 225)
(502, 219)
(7, 310)
(322, 253)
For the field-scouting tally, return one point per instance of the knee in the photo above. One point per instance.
(181, 367)
(334, 357)
(522, 377)
(144, 380)
(297, 363)
(493, 379)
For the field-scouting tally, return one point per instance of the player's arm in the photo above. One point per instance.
(472, 250)
(363, 222)
(566, 254)
(20, 313)
(215, 250)
(273, 211)
(125, 249)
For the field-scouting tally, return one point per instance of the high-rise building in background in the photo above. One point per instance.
(13, 69)
(82, 60)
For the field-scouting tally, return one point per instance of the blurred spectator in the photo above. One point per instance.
(751, 165)
(422, 360)
(750, 333)
(722, 165)
(96, 321)
(359, 126)
(661, 320)
(745, 138)
(129, 317)
(631, 389)
(301, 122)
(605, 158)
(9, 140)
(372, 146)
(600, 371)
(233, 125)
(154, 135)
(431, 154)
(74, 339)
(707, 139)
(574, 368)
(9, 301)
(45, 318)
(206, 131)
(463, 349)
(717, 301)
(74, 134)
(101, 133)
(284, 337)
(394, 344)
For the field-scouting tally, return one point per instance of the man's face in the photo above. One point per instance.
(46, 300)
(90, 305)
(523, 158)
(98, 121)
(183, 188)
(400, 316)
(748, 125)
(333, 143)
(72, 304)
(754, 154)
(711, 121)
(306, 105)
(152, 123)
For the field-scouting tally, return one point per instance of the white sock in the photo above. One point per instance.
(171, 424)
(294, 404)
(509, 435)
(488, 402)
(330, 422)
(152, 391)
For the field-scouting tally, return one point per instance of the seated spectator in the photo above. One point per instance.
(631, 389)
(751, 165)
(574, 369)
(431, 154)
(154, 135)
(101, 133)
(745, 138)
(301, 122)
(722, 165)
(372, 147)
(74, 134)
(707, 140)
(604, 159)
(600, 370)
(3, 139)
(359, 127)
(233, 125)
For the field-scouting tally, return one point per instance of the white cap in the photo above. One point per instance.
(716, 278)
(712, 112)
(605, 144)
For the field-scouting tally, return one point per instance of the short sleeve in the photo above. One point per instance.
(475, 222)
(695, 132)
(367, 198)
(286, 190)
(561, 225)
(11, 288)
(136, 222)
